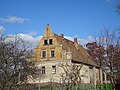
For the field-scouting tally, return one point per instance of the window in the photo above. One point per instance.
(52, 53)
(45, 42)
(43, 54)
(50, 41)
(43, 70)
(53, 69)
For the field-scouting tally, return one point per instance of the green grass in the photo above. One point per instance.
(48, 89)
(84, 87)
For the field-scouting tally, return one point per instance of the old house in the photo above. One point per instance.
(54, 49)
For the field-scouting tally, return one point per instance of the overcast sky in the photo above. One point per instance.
(75, 18)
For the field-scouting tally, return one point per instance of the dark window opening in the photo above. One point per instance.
(43, 70)
(45, 42)
(54, 69)
(90, 67)
(50, 41)
(43, 54)
(52, 53)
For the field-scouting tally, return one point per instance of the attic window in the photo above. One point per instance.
(45, 42)
(50, 41)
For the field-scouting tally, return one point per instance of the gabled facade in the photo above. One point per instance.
(54, 49)
(49, 48)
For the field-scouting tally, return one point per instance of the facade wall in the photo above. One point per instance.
(97, 76)
(41, 47)
(49, 76)
(86, 73)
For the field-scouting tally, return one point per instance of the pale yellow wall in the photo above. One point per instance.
(85, 73)
(97, 76)
(48, 76)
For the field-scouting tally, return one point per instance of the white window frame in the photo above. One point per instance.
(54, 69)
(43, 70)
(42, 54)
(51, 53)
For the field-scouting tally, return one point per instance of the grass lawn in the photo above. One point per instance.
(83, 87)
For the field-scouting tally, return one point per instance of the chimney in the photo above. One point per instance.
(62, 35)
(75, 41)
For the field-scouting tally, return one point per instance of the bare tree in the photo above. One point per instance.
(71, 75)
(15, 64)
(105, 51)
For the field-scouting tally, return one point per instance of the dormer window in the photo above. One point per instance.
(50, 41)
(45, 42)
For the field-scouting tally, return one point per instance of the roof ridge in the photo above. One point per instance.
(63, 38)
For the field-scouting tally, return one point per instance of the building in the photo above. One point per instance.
(54, 49)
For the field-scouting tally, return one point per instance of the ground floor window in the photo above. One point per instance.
(53, 69)
(43, 70)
